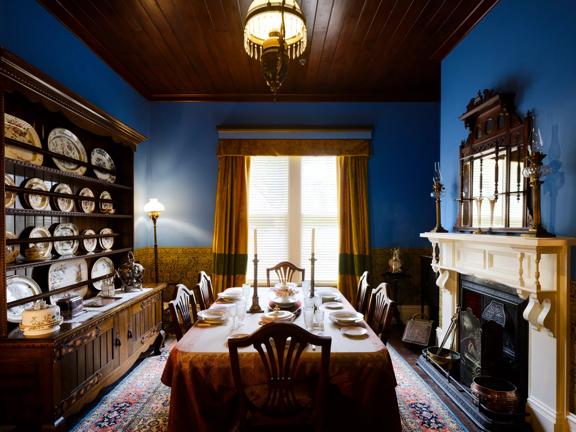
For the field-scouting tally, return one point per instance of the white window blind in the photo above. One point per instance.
(288, 196)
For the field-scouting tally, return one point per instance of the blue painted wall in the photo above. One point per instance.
(183, 150)
(32, 33)
(526, 47)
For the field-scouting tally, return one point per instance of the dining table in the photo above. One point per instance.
(203, 398)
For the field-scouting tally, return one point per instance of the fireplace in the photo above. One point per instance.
(514, 294)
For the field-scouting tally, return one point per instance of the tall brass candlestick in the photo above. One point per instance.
(255, 308)
(312, 265)
(437, 189)
(534, 171)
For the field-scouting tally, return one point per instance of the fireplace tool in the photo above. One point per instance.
(444, 357)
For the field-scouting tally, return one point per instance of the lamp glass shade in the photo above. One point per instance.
(153, 205)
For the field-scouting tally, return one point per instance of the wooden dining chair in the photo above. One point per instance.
(290, 398)
(362, 294)
(380, 311)
(182, 310)
(204, 291)
(285, 272)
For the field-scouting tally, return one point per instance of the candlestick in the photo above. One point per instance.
(255, 242)
(255, 308)
(312, 265)
(437, 188)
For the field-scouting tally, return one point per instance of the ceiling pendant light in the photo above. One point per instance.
(275, 33)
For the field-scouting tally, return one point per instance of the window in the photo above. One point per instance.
(288, 197)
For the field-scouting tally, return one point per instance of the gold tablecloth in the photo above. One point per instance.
(203, 397)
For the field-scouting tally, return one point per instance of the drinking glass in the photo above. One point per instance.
(246, 291)
(241, 312)
(306, 288)
(232, 313)
(309, 318)
(319, 320)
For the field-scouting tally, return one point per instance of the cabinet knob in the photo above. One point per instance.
(129, 334)
(118, 342)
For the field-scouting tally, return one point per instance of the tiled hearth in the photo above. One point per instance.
(537, 271)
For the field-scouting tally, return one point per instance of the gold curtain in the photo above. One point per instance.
(354, 256)
(230, 242)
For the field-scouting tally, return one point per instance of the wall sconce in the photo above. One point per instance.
(154, 207)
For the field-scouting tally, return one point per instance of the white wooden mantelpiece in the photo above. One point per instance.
(538, 269)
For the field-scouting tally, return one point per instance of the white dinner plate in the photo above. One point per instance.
(327, 295)
(333, 305)
(277, 315)
(346, 317)
(212, 315)
(354, 331)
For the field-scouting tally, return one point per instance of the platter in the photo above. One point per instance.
(39, 251)
(100, 158)
(64, 142)
(101, 267)
(87, 206)
(106, 243)
(65, 273)
(21, 131)
(18, 287)
(66, 247)
(9, 196)
(89, 244)
(106, 207)
(36, 202)
(12, 250)
(63, 204)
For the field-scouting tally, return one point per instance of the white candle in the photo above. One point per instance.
(313, 239)
(255, 242)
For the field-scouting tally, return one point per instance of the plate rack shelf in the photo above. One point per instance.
(54, 375)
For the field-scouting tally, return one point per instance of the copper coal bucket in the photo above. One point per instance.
(495, 394)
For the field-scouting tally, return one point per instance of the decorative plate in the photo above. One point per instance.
(106, 207)
(87, 206)
(354, 331)
(39, 251)
(19, 130)
(106, 243)
(18, 287)
(9, 196)
(99, 158)
(103, 266)
(89, 244)
(66, 247)
(64, 142)
(65, 273)
(36, 202)
(63, 204)
(12, 250)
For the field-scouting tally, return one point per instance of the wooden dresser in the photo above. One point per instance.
(60, 146)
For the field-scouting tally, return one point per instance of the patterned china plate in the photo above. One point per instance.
(106, 207)
(89, 244)
(21, 131)
(106, 243)
(63, 204)
(18, 287)
(65, 273)
(87, 206)
(39, 251)
(101, 267)
(64, 142)
(12, 250)
(66, 247)
(100, 158)
(9, 197)
(36, 202)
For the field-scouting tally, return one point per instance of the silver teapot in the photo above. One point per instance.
(131, 274)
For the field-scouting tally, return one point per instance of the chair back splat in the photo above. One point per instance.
(204, 290)
(362, 294)
(380, 311)
(182, 310)
(285, 272)
(292, 397)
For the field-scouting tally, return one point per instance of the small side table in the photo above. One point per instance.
(393, 279)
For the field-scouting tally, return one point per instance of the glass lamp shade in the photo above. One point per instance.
(154, 207)
(264, 20)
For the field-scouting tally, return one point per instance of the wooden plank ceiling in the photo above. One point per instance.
(193, 49)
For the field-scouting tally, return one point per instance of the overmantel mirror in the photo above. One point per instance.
(493, 191)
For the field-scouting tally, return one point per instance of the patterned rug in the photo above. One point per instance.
(140, 402)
